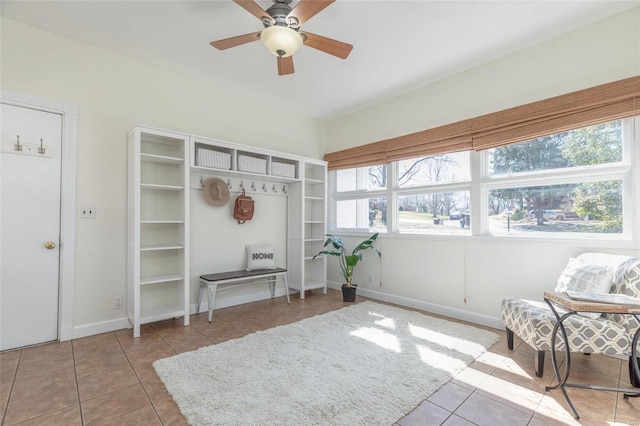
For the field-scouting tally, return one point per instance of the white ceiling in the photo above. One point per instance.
(398, 45)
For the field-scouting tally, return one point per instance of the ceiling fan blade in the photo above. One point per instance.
(285, 65)
(253, 8)
(235, 41)
(306, 9)
(328, 45)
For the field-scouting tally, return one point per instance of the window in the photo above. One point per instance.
(361, 198)
(434, 169)
(572, 183)
(592, 145)
(361, 178)
(364, 213)
(434, 212)
(576, 184)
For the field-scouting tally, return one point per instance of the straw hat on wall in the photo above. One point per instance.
(216, 192)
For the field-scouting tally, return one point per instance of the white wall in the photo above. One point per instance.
(436, 273)
(113, 93)
(606, 51)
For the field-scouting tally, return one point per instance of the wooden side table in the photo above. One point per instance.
(573, 306)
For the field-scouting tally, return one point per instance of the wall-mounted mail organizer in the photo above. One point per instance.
(38, 149)
(250, 186)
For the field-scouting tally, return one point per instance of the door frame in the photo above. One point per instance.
(67, 243)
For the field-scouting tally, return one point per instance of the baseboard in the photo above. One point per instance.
(447, 311)
(225, 302)
(100, 327)
(122, 323)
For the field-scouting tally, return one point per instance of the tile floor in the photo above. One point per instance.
(108, 379)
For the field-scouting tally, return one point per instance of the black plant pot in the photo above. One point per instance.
(349, 293)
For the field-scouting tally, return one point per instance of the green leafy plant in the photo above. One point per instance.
(348, 261)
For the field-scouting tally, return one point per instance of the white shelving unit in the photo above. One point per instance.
(158, 229)
(307, 228)
(306, 199)
(211, 156)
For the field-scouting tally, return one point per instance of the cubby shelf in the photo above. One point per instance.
(310, 272)
(158, 240)
(210, 156)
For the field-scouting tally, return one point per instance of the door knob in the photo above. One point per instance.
(49, 245)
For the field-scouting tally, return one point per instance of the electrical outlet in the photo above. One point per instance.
(117, 302)
(88, 212)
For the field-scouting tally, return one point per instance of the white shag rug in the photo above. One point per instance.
(366, 364)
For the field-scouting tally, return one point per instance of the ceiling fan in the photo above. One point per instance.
(282, 34)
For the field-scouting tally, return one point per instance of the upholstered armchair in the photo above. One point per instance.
(608, 334)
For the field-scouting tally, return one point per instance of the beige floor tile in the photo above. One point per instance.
(95, 385)
(110, 362)
(115, 404)
(482, 410)
(426, 413)
(59, 350)
(145, 416)
(450, 396)
(40, 395)
(69, 416)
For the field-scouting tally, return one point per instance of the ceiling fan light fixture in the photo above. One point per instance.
(281, 41)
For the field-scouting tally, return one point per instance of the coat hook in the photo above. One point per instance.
(202, 181)
(229, 183)
(274, 189)
(41, 149)
(17, 146)
(241, 185)
(284, 189)
(264, 187)
(253, 186)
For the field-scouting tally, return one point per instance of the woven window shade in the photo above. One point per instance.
(586, 107)
(449, 138)
(595, 105)
(360, 156)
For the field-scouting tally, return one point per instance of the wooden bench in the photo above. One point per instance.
(235, 278)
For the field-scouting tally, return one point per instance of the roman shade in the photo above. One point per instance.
(599, 104)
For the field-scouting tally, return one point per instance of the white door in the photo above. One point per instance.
(30, 226)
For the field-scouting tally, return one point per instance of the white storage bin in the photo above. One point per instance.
(283, 169)
(252, 164)
(214, 159)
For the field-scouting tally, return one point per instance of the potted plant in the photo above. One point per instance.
(348, 261)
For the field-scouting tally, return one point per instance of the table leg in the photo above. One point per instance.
(562, 380)
(634, 358)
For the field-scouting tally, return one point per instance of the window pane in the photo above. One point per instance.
(593, 207)
(434, 169)
(434, 212)
(366, 213)
(597, 144)
(361, 178)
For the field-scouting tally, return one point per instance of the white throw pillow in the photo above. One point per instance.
(579, 276)
(260, 257)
